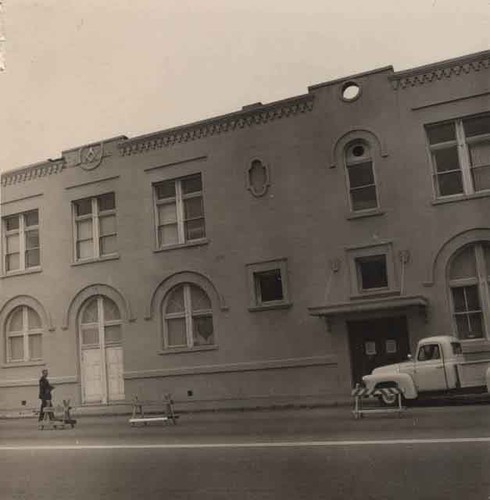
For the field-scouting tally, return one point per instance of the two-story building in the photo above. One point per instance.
(268, 256)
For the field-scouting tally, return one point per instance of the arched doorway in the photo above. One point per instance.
(101, 352)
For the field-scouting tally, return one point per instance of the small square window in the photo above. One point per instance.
(268, 285)
(372, 272)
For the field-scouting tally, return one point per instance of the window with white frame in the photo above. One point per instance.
(95, 227)
(24, 335)
(469, 275)
(360, 176)
(460, 152)
(100, 323)
(21, 241)
(179, 211)
(187, 318)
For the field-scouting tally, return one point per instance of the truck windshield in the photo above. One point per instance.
(457, 349)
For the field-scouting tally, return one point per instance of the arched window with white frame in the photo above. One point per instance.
(361, 179)
(187, 318)
(24, 333)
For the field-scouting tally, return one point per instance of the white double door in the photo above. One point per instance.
(102, 374)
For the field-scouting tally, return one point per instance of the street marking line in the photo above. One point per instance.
(278, 444)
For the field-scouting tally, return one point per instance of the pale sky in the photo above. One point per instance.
(78, 71)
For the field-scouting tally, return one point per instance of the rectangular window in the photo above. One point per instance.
(21, 241)
(268, 285)
(467, 311)
(179, 211)
(95, 227)
(372, 272)
(460, 152)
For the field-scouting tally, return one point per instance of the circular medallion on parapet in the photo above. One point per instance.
(91, 156)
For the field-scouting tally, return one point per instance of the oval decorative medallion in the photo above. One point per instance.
(258, 178)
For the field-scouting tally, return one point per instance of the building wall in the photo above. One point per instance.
(291, 354)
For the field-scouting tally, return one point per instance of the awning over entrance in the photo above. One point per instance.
(366, 305)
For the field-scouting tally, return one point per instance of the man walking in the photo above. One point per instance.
(45, 389)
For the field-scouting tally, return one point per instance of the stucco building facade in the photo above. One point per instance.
(269, 256)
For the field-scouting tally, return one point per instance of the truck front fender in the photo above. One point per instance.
(401, 380)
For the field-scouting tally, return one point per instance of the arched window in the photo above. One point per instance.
(187, 318)
(469, 274)
(24, 335)
(360, 176)
(100, 322)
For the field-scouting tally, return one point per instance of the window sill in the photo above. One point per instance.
(271, 306)
(22, 364)
(93, 261)
(194, 243)
(180, 350)
(365, 213)
(461, 197)
(22, 272)
(375, 293)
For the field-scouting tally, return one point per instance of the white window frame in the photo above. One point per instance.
(95, 217)
(481, 281)
(188, 314)
(25, 333)
(178, 200)
(461, 142)
(21, 231)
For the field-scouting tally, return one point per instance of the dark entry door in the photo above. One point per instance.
(376, 342)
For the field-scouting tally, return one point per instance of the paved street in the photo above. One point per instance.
(428, 453)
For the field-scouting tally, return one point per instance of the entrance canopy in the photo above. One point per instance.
(366, 305)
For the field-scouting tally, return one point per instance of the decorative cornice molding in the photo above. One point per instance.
(33, 172)
(440, 71)
(216, 126)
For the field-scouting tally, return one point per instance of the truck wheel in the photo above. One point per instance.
(390, 400)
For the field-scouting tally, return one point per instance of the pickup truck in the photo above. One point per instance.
(439, 367)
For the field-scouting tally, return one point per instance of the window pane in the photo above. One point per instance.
(13, 262)
(13, 243)
(107, 225)
(373, 272)
(451, 183)
(199, 300)
(192, 184)
(176, 335)
(35, 347)
(478, 125)
(194, 229)
(459, 299)
(441, 133)
(90, 336)
(90, 312)
(83, 207)
(472, 300)
(84, 229)
(167, 213)
(481, 178)
(111, 311)
(108, 245)
(16, 320)
(167, 235)
(269, 284)
(203, 330)
(175, 302)
(12, 223)
(479, 153)
(193, 208)
(106, 202)
(16, 345)
(446, 159)
(476, 329)
(464, 264)
(32, 239)
(33, 319)
(165, 190)
(364, 198)
(31, 218)
(85, 249)
(361, 174)
(113, 334)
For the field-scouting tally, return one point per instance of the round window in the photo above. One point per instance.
(350, 91)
